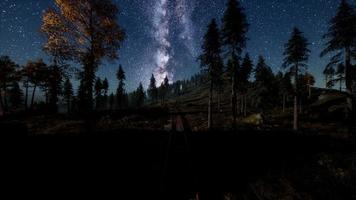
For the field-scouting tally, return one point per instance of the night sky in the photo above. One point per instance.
(167, 34)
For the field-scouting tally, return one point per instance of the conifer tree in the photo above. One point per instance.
(152, 89)
(211, 62)
(120, 92)
(341, 43)
(296, 55)
(234, 30)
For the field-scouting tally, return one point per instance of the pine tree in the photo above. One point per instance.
(211, 62)
(234, 30)
(296, 55)
(140, 96)
(341, 41)
(163, 90)
(152, 89)
(84, 31)
(68, 94)
(120, 92)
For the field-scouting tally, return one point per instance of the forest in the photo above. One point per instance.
(241, 98)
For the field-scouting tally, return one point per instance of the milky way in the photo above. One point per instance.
(164, 14)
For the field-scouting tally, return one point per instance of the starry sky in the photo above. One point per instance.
(164, 37)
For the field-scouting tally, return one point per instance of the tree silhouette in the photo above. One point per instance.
(285, 87)
(164, 90)
(85, 31)
(211, 62)
(296, 54)
(54, 81)
(16, 95)
(152, 89)
(341, 43)
(105, 87)
(140, 96)
(35, 73)
(7, 76)
(68, 93)
(98, 88)
(243, 81)
(329, 73)
(121, 93)
(265, 85)
(111, 101)
(235, 28)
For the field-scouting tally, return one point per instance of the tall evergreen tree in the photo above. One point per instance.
(234, 30)
(211, 62)
(84, 31)
(68, 94)
(341, 41)
(296, 55)
(152, 89)
(120, 92)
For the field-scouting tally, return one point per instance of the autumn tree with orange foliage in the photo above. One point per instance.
(84, 31)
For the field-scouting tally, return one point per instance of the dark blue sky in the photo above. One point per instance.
(186, 20)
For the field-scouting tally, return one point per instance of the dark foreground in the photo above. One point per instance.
(226, 165)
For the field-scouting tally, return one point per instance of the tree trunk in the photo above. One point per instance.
(68, 105)
(26, 95)
(245, 105)
(284, 103)
(233, 104)
(295, 117)
(219, 101)
(1, 102)
(348, 81)
(300, 106)
(210, 109)
(6, 106)
(33, 96)
(242, 105)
